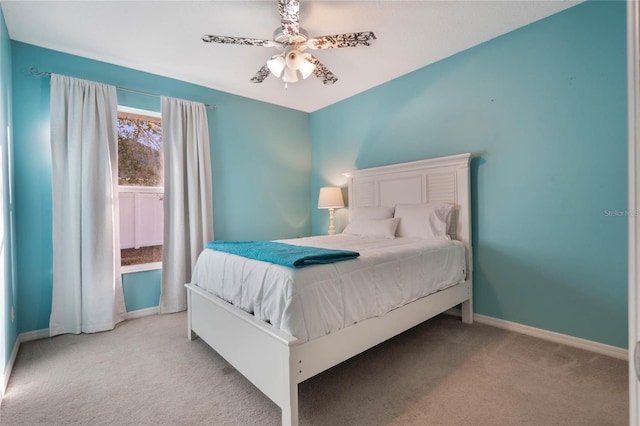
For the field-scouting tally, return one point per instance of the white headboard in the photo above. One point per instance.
(444, 179)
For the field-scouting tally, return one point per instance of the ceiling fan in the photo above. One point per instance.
(292, 40)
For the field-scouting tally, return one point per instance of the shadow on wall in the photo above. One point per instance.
(474, 168)
(426, 114)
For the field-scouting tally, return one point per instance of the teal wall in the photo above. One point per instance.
(261, 175)
(7, 280)
(543, 110)
(141, 289)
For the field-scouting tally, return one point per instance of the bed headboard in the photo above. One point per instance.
(444, 179)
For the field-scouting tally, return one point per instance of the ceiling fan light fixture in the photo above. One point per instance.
(290, 75)
(306, 68)
(294, 59)
(276, 65)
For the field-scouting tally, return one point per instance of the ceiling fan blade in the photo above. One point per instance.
(321, 71)
(289, 17)
(342, 40)
(260, 75)
(208, 38)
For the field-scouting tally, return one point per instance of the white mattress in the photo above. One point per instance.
(316, 300)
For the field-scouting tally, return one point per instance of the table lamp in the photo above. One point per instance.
(330, 198)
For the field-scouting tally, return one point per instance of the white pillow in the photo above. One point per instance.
(358, 213)
(426, 221)
(373, 228)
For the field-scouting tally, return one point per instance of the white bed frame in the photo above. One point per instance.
(274, 361)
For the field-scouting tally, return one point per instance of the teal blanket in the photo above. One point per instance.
(281, 253)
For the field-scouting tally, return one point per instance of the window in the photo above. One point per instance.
(141, 191)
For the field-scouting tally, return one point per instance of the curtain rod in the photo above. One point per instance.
(34, 71)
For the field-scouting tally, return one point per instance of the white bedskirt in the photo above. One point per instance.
(316, 300)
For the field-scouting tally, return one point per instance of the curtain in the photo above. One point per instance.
(188, 207)
(87, 285)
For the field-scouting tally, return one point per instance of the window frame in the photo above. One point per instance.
(152, 266)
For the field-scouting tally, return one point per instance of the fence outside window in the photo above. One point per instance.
(141, 217)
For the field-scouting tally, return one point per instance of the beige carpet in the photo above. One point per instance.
(445, 372)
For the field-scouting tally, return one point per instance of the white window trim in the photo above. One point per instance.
(139, 111)
(148, 189)
(129, 269)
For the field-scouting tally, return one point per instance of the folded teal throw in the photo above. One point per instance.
(281, 253)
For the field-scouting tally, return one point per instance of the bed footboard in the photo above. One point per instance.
(239, 339)
(283, 361)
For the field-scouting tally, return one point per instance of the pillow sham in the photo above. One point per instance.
(369, 213)
(373, 228)
(426, 221)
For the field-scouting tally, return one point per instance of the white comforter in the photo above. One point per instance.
(316, 300)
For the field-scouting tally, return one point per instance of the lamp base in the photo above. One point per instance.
(332, 228)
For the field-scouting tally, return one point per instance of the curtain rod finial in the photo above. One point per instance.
(35, 71)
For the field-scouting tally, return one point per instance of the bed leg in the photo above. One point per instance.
(467, 311)
(191, 335)
(290, 411)
(290, 408)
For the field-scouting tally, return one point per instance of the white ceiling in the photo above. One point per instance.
(163, 37)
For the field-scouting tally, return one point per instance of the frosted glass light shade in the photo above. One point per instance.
(330, 197)
(276, 65)
(290, 75)
(288, 64)
(306, 68)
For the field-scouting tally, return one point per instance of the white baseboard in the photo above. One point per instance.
(22, 337)
(552, 336)
(44, 332)
(7, 371)
(142, 313)
(33, 335)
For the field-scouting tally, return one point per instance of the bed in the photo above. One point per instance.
(266, 352)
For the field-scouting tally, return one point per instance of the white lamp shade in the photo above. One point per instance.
(276, 65)
(290, 75)
(330, 198)
(306, 68)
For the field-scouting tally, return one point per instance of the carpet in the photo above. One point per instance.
(442, 372)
